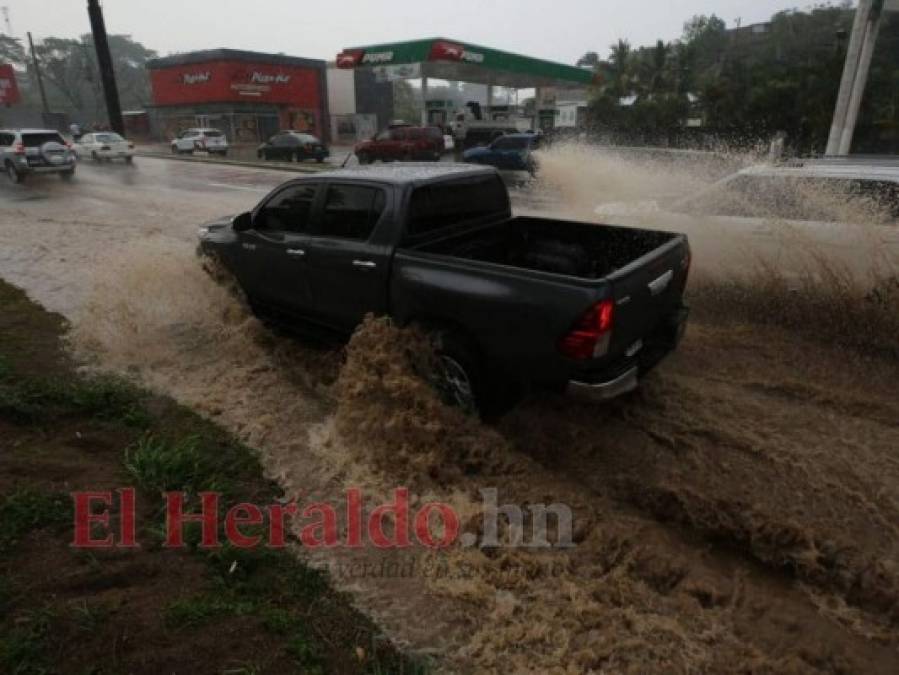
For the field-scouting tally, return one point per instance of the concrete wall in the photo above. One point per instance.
(373, 97)
(341, 91)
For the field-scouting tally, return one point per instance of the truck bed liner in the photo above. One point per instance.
(563, 247)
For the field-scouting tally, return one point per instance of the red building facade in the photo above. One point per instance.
(247, 95)
(9, 90)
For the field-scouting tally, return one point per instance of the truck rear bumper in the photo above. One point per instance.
(602, 391)
(625, 375)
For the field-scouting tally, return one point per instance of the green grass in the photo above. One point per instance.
(26, 510)
(6, 594)
(305, 650)
(191, 464)
(24, 648)
(37, 401)
(199, 609)
(163, 465)
(88, 617)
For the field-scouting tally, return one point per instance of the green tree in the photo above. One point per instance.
(12, 51)
(590, 59)
(70, 70)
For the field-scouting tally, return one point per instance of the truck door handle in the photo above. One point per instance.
(296, 252)
(658, 285)
(366, 264)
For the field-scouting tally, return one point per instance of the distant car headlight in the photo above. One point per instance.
(203, 232)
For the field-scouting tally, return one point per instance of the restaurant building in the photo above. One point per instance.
(247, 95)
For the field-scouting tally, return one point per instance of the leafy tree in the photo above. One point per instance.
(406, 101)
(12, 51)
(590, 59)
(749, 84)
(72, 76)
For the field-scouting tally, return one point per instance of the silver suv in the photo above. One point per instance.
(28, 151)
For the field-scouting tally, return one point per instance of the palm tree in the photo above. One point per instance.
(620, 61)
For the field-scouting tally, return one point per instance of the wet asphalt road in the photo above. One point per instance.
(171, 198)
(159, 176)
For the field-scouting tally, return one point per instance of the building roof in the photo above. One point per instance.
(209, 55)
(446, 59)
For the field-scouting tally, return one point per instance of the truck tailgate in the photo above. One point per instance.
(647, 292)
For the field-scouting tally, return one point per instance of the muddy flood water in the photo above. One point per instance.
(739, 512)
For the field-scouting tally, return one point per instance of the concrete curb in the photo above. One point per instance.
(274, 166)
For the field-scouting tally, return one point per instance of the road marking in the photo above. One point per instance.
(230, 186)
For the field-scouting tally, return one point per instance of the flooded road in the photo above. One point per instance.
(738, 512)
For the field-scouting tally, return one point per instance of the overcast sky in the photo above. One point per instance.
(559, 30)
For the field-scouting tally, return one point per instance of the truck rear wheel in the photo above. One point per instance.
(463, 379)
(456, 372)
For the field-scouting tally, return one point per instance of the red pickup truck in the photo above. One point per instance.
(404, 144)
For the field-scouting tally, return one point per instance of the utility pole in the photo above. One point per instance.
(855, 76)
(37, 75)
(104, 61)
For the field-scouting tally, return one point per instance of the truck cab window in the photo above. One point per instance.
(443, 204)
(288, 211)
(352, 211)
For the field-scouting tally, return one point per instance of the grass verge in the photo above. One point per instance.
(151, 609)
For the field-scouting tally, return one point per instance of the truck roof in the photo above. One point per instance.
(408, 172)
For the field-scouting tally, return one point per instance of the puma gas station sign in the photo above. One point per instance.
(9, 90)
(453, 59)
(438, 50)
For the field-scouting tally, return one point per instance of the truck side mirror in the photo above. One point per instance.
(242, 222)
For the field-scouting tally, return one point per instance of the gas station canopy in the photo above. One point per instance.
(444, 59)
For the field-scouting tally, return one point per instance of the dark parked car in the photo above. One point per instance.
(403, 143)
(289, 146)
(510, 300)
(509, 153)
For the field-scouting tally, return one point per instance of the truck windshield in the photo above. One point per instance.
(440, 205)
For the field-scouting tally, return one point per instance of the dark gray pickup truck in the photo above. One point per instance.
(512, 300)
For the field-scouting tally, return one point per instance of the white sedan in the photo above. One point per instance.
(104, 145)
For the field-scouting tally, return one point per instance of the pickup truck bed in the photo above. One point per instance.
(576, 249)
(525, 281)
(561, 304)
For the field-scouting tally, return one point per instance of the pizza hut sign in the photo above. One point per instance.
(196, 78)
(264, 78)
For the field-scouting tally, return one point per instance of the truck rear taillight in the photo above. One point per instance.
(589, 337)
(19, 149)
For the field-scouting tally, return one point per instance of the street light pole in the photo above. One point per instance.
(37, 76)
(855, 76)
(104, 61)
